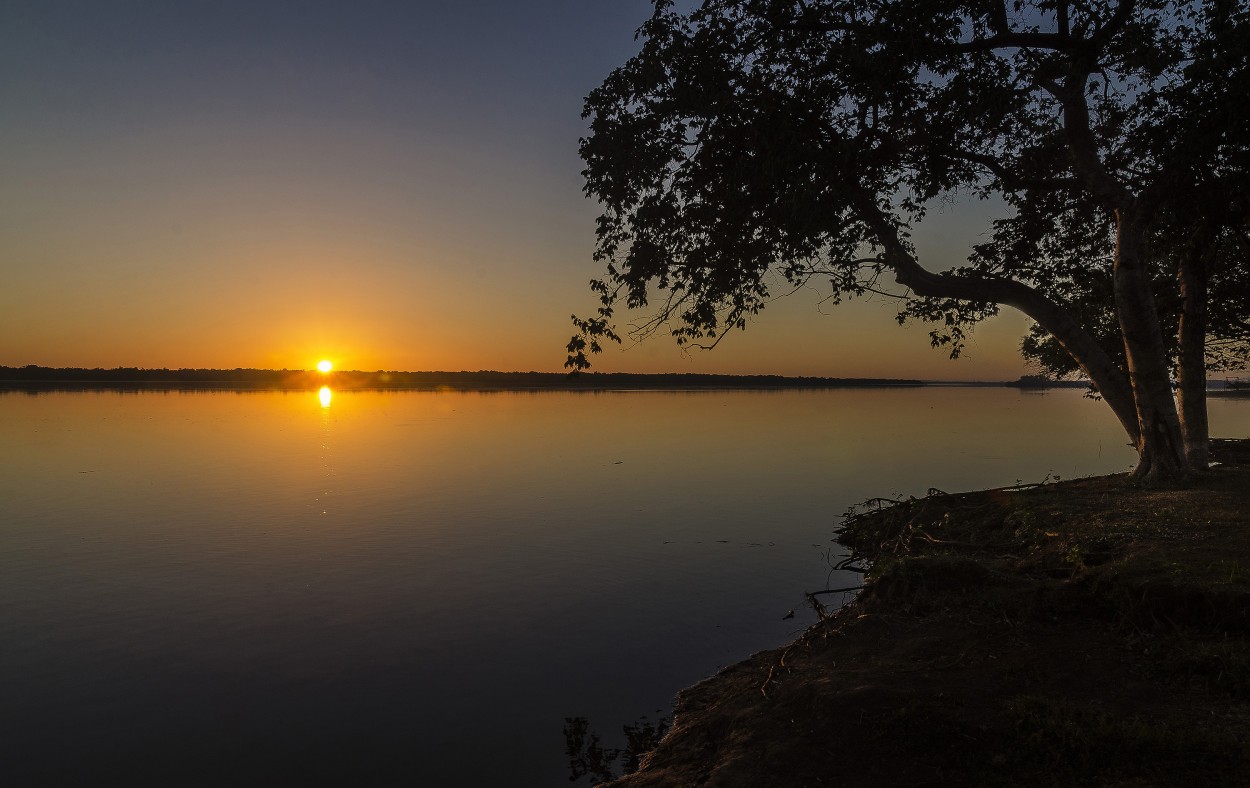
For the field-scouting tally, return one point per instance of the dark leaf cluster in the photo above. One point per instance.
(756, 145)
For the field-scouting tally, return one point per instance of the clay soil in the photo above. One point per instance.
(1088, 632)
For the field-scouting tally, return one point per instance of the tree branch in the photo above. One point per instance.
(1008, 177)
(1110, 380)
(1083, 146)
(998, 18)
(1123, 12)
(1013, 40)
(1006, 38)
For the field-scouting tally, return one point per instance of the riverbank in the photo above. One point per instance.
(1077, 632)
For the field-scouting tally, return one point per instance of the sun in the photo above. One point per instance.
(324, 366)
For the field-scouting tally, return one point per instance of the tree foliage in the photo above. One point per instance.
(758, 144)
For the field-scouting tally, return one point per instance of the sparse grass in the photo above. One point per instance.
(1206, 664)
(1063, 741)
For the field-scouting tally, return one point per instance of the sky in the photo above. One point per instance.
(390, 185)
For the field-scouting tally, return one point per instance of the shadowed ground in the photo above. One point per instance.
(1082, 632)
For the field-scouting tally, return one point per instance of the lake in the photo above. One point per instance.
(419, 587)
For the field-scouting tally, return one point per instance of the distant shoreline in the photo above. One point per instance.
(298, 380)
(37, 378)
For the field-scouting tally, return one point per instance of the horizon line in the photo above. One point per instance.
(96, 374)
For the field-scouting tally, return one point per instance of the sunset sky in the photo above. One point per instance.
(386, 185)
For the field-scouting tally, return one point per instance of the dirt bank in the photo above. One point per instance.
(1079, 632)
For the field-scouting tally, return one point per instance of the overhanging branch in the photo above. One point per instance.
(1110, 380)
(1009, 178)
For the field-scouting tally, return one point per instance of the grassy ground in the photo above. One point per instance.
(1081, 632)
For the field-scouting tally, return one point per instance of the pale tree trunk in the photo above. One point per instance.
(1192, 366)
(1161, 451)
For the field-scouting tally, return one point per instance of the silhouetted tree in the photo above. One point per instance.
(757, 141)
(1198, 237)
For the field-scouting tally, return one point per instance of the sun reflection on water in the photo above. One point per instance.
(325, 395)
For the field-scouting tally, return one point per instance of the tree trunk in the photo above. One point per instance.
(1192, 372)
(1160, 451)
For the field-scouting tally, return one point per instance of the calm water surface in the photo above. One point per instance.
(417, 588)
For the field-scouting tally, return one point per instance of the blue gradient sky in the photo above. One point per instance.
(390, 185)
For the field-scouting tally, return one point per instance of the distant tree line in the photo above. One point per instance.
(482, 380)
